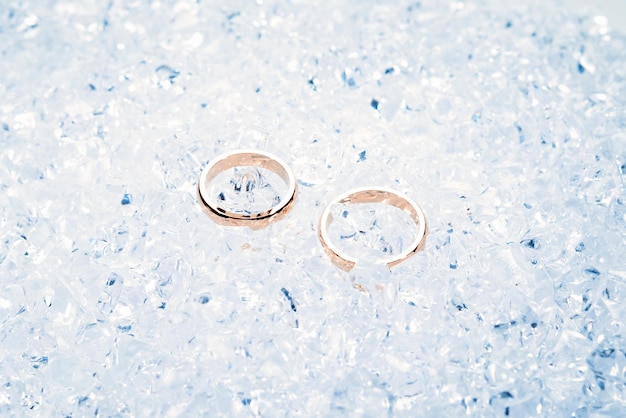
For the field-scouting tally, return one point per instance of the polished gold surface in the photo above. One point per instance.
(246, 158)
(373, 195)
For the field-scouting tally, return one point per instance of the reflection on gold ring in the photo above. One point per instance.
(249, 158)
(373, 195)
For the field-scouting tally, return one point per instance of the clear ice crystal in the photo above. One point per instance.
(119, 297)
(371, 231)
(249, 191)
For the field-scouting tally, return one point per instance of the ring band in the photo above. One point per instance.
(373, 195)
(247, 158)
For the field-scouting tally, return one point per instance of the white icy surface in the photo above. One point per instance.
(119, 297)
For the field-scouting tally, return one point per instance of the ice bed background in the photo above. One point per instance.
(119, 297)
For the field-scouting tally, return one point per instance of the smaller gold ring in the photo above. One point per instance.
(246, 158)
(373, 195)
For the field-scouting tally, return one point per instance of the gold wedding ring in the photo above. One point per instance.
(245, 158)
(373, 195)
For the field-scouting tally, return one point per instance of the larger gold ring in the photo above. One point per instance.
(373, 195)
(246, 158)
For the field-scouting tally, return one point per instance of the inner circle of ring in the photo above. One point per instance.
(347, 262)
(255, 158)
